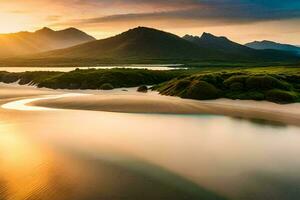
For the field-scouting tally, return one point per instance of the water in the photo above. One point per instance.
(67, 69)
(68, 154)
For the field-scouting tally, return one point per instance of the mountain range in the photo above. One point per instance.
(148, 45)
(232, 50)
(265, 44)
(136, 44)
(46, 39)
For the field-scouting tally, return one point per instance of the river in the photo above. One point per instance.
(61, 154)
(67, 69)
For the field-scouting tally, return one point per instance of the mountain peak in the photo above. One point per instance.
(205, 34)
(76, 33)
(264, 41)
(145, 32)
(266, 44)
(45, 30)
(190, 37)
(209, 36)
(142, 29)
(72, 29)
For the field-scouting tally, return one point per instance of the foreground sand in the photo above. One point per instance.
(10, 92)
(133, 102)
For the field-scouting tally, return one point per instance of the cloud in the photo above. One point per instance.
(202, 11)
(107, 17)
(18, 11)
(209, 12)
(53, 18)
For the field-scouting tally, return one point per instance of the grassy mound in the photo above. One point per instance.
(265, 82)
(106, 86)
(142, 88)
(91, 78)
(95, 79)
(201, 90)
(6, 77)
(235, 85)
(281, 96)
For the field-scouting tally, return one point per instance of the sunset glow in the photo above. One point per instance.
(242, 21)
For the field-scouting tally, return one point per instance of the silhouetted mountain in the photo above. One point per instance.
(147, 45)
(234, 50)
(46, 39)
(208, 40)
(265, 44)
(138, 43)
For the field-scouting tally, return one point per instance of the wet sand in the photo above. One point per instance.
(229, 157)
(9, 92)
(134, 102)
(130, 101)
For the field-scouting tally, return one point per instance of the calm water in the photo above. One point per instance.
(67, 69)
(65, 154)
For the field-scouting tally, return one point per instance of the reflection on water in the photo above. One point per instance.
(23, 104)
(32, 171)
(22, 165)
(262, 122)
(99, 155)
(67, 69)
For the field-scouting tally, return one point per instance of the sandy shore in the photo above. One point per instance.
(133, 102)
(130, 101)
(10, 92)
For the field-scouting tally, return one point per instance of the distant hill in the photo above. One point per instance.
(212, 41)
(23, 43)
(147, 45)
(137, 44)
(273, 45)
(222, 43)
(234, 50)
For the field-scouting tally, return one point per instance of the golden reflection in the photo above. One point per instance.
(22, 104)
(199, 148)
(23, 166)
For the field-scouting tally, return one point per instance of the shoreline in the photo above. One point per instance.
(154, 103)
(130, 101)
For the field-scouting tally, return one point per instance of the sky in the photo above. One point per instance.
(240, 20)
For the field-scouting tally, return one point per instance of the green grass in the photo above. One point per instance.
(142, 88)
(277, 84)
(92, 78)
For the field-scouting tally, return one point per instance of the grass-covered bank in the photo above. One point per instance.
(278, 84)
(91, 78)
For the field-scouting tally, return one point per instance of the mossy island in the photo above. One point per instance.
(142, 88)
(275, 84)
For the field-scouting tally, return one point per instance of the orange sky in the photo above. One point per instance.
(102, 18)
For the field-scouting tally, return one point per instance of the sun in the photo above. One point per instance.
(15, 23)
(9, 26)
